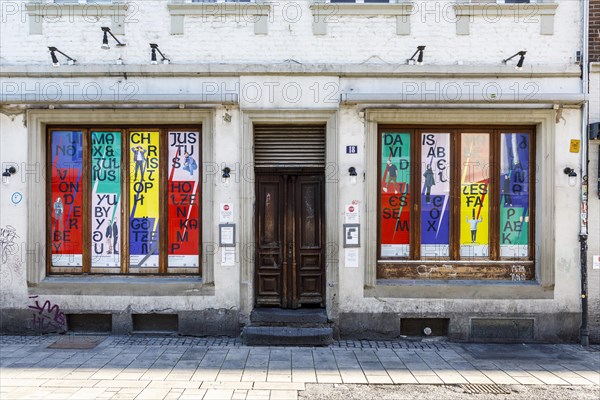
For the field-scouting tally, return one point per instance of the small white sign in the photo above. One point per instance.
(596, 262)
(227, 235)
(351, 258)
(226, 213)
(351, 215)
(227, 256)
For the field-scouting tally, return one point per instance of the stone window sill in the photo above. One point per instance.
(455, 289)
(492, 12)
(248, 12)
(324, 13)
(122, 285)
(38, 11)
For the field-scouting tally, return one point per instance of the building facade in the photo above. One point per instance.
(399, 165)
(594, 173)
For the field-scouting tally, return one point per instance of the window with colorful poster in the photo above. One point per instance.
(98, 176)
(184, 201)
(66, 199)
(474, 199)
(435, 194)
(144, 201)
(106, 202)
(395, 194)
(514, 194)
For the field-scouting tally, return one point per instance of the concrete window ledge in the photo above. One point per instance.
(37, 11)
(248, 12)
(465, 289)
(121, 286)
(492, 12)
(324, 13)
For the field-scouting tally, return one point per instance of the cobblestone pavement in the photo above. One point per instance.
(167, 367)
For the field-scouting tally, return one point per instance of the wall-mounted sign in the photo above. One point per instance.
(226, 213)
(351, 214)
(575, 144)
(351, 235)
(596, 262)
(227, 235)
(228, 256)
(351, 149)
(351, 258)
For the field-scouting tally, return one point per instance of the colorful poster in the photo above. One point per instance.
(395, 195)
(66, 159)
(144, 195)
(435, 195)
(106, 201)
(514, 194)
(184, 200)
(474, 202)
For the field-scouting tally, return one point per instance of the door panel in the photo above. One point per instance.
(269, 263)
(289, 253)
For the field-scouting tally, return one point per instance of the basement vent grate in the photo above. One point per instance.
(484, 389)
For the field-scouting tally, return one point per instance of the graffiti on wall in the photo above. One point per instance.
(47, 317)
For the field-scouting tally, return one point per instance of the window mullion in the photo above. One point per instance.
(163, 238)
(455, 197)
(86, 207)
(416, 194)
(125, 188)
(494, 193)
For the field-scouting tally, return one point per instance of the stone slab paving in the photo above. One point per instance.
(168, 367)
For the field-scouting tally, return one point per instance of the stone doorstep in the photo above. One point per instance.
(286, 316)
(287, 336)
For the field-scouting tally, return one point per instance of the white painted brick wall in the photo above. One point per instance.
(349, 39)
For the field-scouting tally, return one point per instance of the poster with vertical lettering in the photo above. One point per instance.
(144, 195)
(184, 200)
(106, 200)
(474, 202)
(435, 195)
(514, 195)
(66, 158)
(395, 195)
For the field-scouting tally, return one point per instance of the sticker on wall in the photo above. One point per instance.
(514, 194)
(16, 198)
(144, 201)
(596, 262)
(184, 200)
(351, 214)
(574, 145)
(395, 194)
(226, 213)
(106, 200)
(66, 157)
(435, 195)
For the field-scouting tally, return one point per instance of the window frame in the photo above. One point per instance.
(494, 131)
(125, 129)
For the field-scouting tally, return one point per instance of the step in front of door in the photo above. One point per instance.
(261, 316)
(287, 336)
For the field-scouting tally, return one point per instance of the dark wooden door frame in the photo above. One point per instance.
(292, 272)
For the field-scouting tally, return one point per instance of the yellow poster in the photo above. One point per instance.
(474, 197)
(144, 195)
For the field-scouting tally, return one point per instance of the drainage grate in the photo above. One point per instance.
(481, 389)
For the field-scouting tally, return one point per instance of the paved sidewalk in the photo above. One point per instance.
(138, 367)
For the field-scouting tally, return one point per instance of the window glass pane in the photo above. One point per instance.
(395, 194)
(106, 201)
(514, 195)
(435, 195)
(67, 198)
(184, 200)
(144, 202)
(474, 206)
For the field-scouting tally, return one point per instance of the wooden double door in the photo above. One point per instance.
(290, 248)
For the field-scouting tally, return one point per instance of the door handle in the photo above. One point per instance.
(290, 249)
